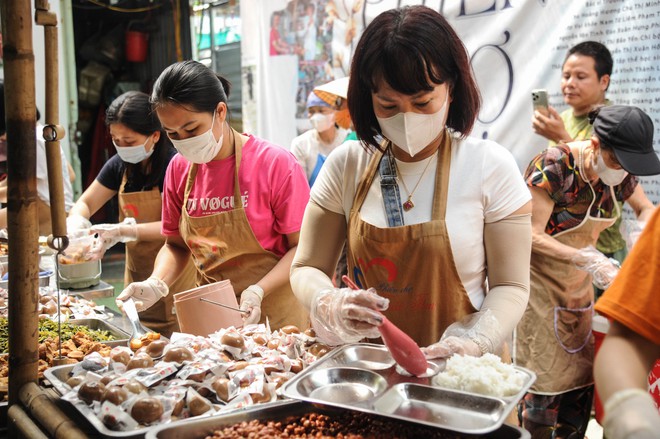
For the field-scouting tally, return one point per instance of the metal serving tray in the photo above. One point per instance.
(363, 377)
(58, 375)
(121, 337)
(279, 411)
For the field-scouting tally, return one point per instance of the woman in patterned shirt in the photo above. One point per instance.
(575, 191)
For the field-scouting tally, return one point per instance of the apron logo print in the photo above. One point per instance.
(131, 210)
(363, 268)
(207, 250)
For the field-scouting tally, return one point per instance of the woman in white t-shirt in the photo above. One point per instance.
(437, 223)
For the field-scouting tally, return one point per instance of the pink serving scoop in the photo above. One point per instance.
(404, 350)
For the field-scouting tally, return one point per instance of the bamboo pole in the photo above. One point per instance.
(55, 422)
(53, 132)
(25, 426)
(22, 214)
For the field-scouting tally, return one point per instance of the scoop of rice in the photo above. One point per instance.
(485, 375)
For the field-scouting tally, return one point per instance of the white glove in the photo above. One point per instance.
(343, 315)
(601, 268)
(251, 299)
(145, 293)
(111, 234)
(474, 335)
(631, 414)
(77, 223)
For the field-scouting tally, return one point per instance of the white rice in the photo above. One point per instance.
(485, 375)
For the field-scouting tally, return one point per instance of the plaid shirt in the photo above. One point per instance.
(555, 170)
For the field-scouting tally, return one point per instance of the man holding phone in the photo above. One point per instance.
(585, 79)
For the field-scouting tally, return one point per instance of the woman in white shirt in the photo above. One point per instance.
(424, 209)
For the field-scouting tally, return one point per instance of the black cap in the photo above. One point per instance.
(629, 132)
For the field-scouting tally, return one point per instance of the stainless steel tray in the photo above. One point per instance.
(98, 291)
(279, 411)
(121, 336)
(363, 377)
(58, 375)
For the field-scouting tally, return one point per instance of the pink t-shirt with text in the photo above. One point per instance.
(273, 188)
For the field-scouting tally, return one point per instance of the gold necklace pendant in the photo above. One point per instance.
(408, 204)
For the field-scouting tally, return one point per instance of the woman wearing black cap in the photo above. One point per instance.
(575, 188)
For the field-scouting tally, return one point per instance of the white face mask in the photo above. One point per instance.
(199, 149)
(609, 176)
(322, 122)
(134, 154)
(412, 131)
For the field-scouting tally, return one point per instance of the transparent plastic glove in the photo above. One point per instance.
(474, 335)
(251, 299)
(145, 294)
(342, 315)
(601, 268)
(75, 224)
(631, 414)
(111, 234)
(630, 230)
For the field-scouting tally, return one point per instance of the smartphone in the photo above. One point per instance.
(540, 101)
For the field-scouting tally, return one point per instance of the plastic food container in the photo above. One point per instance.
(202, 318)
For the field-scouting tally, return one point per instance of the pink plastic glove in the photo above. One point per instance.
(145, 294)
(601, 268)
(343, 315)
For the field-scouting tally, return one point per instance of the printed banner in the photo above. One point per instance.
(515, 46)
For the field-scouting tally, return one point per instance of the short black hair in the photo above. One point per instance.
(192, 85)
(412, 48)
(599, 52)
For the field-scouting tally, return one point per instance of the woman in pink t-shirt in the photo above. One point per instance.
(233, 201)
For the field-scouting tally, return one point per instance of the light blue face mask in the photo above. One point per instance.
(134, 154)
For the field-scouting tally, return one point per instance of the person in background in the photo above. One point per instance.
(312, 147)
(43, 194)
(423, 210)
(277, 45)
(233, 201)
(575, 189)
(632, 344)
(334, 93)
(586, 75)
(135, 175)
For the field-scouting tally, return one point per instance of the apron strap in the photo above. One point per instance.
(390, 190)
(238, 201)
(441, 190)
(320, 160)
(124, 180)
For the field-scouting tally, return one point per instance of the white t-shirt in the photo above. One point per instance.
(307, 146)
(485, 186)
(42, 173)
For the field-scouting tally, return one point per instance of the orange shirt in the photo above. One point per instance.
(633, 299)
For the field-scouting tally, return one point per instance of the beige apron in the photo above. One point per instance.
(413, 266)
(145, 207)
(224, 247)
(554, 336)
